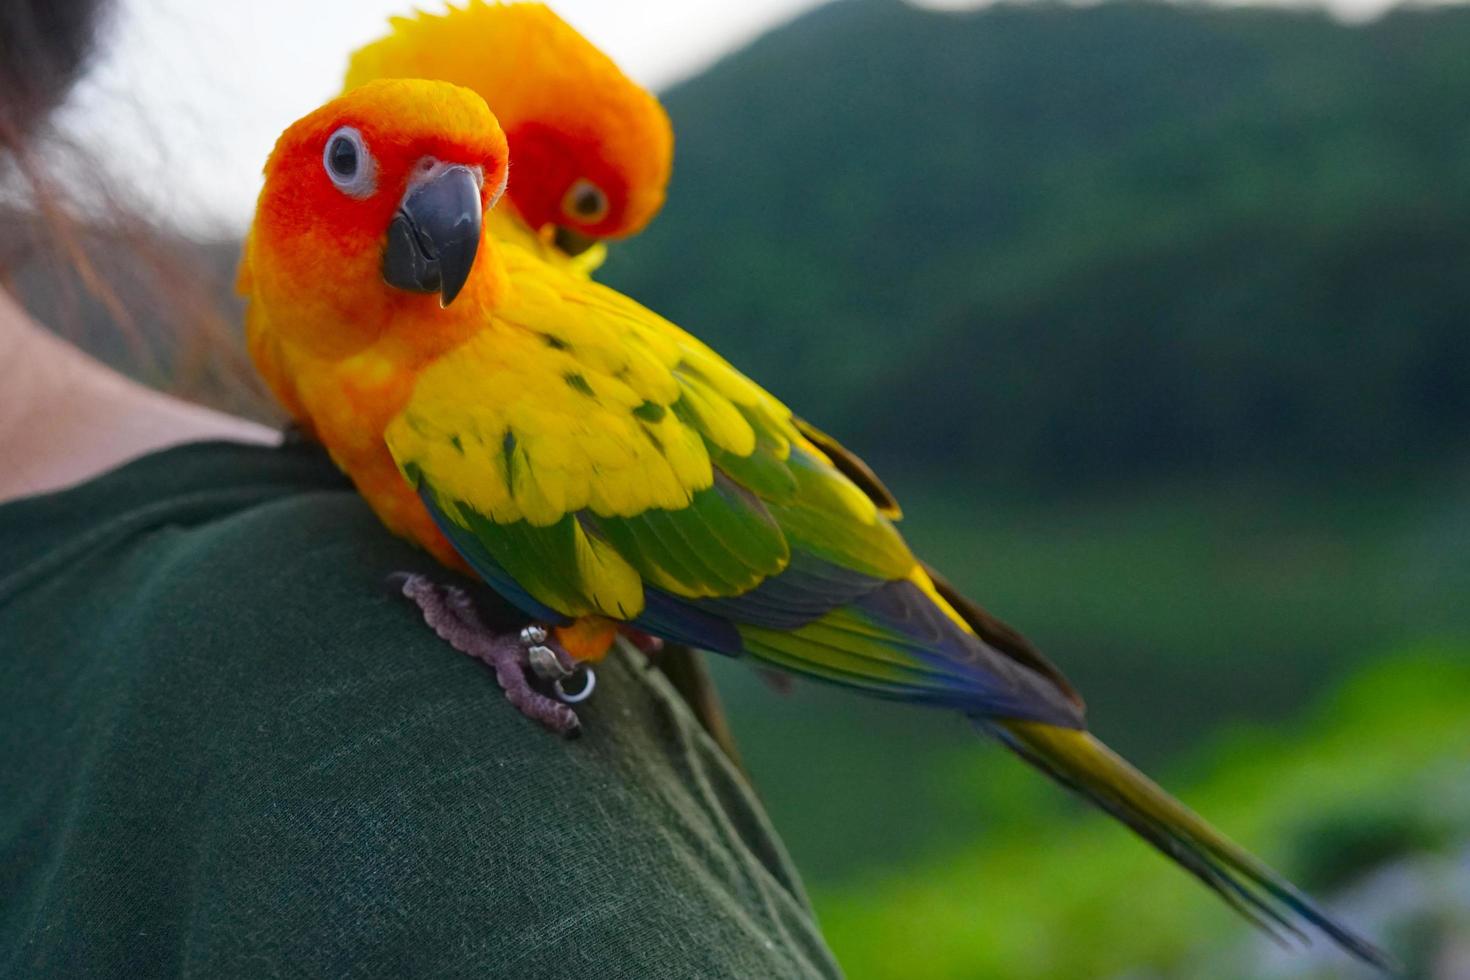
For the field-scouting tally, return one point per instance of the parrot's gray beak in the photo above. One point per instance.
(434, 236)
(571, 241)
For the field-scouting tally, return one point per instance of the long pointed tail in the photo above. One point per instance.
(1080, 762)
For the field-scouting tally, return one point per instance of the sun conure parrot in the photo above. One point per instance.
(591, 148)
(600, 468)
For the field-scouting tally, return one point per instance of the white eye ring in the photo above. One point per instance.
(348, 163)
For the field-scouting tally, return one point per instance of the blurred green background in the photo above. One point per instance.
(1157, 317)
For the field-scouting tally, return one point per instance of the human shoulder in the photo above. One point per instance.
(286, 772)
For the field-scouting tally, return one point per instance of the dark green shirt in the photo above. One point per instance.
(226, 750)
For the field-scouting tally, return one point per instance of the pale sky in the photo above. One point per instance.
(189, 96)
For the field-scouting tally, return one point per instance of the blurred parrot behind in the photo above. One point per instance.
(602, 470)
(591, 149)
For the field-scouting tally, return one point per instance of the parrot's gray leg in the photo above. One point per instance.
(450, 612)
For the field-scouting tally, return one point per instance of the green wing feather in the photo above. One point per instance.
(595, 450)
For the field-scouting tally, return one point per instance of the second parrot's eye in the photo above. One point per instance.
(585, 201)
(348, 163)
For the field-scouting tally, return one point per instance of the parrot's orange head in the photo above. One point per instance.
(591, 150)
(374, 202)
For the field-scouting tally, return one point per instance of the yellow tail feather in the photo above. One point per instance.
(1082, 763)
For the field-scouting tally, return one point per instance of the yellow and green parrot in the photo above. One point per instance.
(604, 471)
(592, 149)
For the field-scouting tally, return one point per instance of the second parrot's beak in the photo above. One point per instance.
(434, 236)
(571, 241)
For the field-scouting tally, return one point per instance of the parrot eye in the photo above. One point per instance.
(348, 162)
(585, 201)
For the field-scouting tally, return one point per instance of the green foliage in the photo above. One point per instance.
(1047, 245)
(1063, 895)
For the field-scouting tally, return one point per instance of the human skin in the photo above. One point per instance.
(66, 418)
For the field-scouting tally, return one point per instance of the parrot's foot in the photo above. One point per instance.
(652, 647)
(451, 613)
(645, 643)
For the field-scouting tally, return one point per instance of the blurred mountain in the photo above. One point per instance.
(1046, 245)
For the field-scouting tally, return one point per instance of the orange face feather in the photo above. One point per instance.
(590, 149)
(316, 247)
